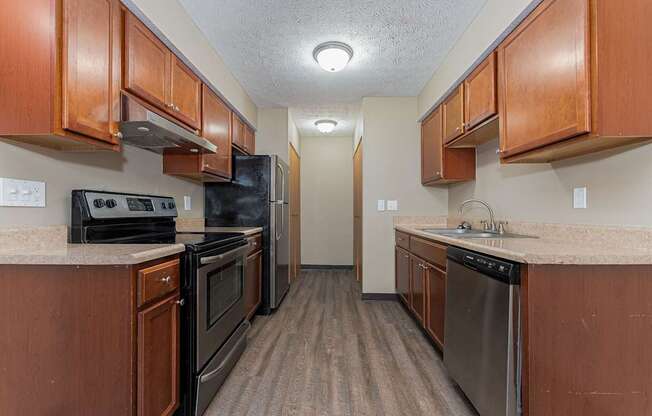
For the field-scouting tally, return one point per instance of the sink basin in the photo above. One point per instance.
(464, 233)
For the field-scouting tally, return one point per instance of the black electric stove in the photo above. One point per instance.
(212, 313)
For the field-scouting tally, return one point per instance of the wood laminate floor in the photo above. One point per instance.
(326, 352)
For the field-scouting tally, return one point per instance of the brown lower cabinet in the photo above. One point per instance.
(417, 288)
(254, 274)
(90, 340)
(421, 282)
(585, 330)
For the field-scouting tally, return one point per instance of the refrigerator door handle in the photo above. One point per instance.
(282, 228)
(282, 182)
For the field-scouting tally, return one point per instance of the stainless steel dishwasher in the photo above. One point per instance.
(483, 332)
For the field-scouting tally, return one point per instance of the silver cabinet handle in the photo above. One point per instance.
(117, 135)
(181, 302)
(176, 108)
(169, 105)
(166, 279)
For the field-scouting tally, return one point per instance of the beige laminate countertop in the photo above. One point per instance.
(246, 230)
(546, 250)
(89, 254)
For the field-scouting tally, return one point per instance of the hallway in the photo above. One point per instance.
(326, 352)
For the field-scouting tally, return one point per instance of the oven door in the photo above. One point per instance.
(220, 300)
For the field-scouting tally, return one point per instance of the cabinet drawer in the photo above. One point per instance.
(157, 281)
(403, 240)
(255, 243)
(428, 250)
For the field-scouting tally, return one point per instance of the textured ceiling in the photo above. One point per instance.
(268, 46)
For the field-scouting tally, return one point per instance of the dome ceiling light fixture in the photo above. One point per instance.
(326, 126)
(333, 56)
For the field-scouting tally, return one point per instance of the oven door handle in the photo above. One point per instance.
(229, 255)
(206, 377)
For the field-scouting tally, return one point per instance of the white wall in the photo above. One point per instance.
(293, 133)
(173, 22)
(619, 186)
(134, 170)
(272, 135)
(391, 170)
(494, 19)
(326, 201)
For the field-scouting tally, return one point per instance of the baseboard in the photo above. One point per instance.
(379, 296)
(325, 267)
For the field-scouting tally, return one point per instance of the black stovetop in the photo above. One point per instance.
(192, 241)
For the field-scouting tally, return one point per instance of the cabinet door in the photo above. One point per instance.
(147, 64)
(480, 93)
(431, 147)
(253, 283)
(158, 358)
(250, 140)
(544, 77)
(417, 287)
(435, 303)
(403, 274)
(87, 73)
(238, 131)
(453, 114)
(185, 94)
(216, 127)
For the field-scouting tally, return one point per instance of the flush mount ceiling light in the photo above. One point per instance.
(326, 126)
(333, 56)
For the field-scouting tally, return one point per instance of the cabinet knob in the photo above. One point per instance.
(166, 279)
(180, 302)
(118, 135)
(437, 173)
(169, 105)
(176, 108)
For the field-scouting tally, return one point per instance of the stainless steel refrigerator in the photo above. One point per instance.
(258, 197)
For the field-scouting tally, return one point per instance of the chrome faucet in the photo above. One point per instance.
(492, 223)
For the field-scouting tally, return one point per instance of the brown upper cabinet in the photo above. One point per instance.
(453, 114)
(60, 73)
(250, 140)
(238, 136)
(573, 80)
(480, 95)
(439, 164)
(216, 127)
(155, 74)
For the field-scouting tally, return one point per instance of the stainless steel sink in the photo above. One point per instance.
(464, 233)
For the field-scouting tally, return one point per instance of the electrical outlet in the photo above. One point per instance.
(21, 193)
(381, 205)
(187, 203)
(579, 198)
(392, 205)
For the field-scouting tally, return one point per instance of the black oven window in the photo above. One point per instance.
(224, 290)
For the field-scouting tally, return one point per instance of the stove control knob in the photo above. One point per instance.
(111, 203)
(163, 205)
(98, 203)
(171, 205)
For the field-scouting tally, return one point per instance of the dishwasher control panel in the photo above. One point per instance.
(500, 269)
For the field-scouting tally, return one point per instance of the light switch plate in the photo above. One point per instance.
(187, 203)
(392, 205)
(579, 198)
(21, 193)
(381, 205)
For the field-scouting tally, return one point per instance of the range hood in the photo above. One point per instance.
(144, 128)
